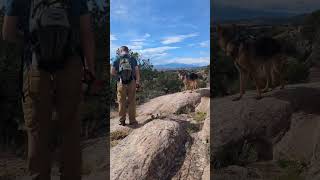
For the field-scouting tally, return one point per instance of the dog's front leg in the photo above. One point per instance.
(267, 72)
(282, 73)
(282, 81)
(242, 77)
(255, 79)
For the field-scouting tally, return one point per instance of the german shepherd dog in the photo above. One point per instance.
(252, 56)
(189, 79)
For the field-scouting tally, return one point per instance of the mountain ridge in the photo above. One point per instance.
(172, 66)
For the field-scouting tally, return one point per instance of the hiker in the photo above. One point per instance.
(125, 69)
(58, 48)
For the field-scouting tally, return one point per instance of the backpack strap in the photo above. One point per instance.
(25, 54)
(47, 3)
(21, 78)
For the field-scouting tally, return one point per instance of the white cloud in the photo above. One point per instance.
(138, 40)
(178, 38)
(136, 45)
(119, 10)
(155, 53)
(113, 37)
(204, 53)
(158, 49)
(139, 43)
(189, 60)
(205, 44)
(147, 35)
(144, 38)
(113, 49)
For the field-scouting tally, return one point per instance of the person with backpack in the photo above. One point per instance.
(125, 68)
(58, 48)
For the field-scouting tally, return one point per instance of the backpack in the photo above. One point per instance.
(125, 70)
(51, 33)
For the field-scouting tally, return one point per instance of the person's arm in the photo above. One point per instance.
(10, 30)
(113, 71)
(87, 42)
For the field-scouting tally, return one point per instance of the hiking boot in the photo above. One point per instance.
(122, 123)
(133, 122)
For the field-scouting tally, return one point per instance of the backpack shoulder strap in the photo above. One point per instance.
(36, 4)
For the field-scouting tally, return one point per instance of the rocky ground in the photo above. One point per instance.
(170, 142)
(273, 138)
(276, 137)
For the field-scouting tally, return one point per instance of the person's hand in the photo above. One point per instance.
(138, 84)
(91, 71)
(89, 75)
(87, 80)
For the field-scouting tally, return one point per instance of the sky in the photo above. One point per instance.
(288, 6)
(165, 31)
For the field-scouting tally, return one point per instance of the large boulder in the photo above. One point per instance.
(248, 119)
(314, 170)
(257, 171)
(160, 107)
(177, 103)
(293, 146)
(204, 134)
(94, 158)
(204, 105)
(206, 173)
(285, 124)
(204, 92)
(195, 162)
(150, 152)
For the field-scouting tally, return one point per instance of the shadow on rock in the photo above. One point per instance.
(303, 99)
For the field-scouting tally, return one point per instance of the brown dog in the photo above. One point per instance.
(251, 56)
(189, 79)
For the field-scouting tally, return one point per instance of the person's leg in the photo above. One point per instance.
(37, 106)
(122, 98)
(132, 102)
(68, 89)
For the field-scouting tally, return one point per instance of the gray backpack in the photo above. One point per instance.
(51, 33)
(125, 70)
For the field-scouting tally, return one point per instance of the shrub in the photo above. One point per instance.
(297, 72)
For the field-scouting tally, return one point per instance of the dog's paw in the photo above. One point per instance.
(236, 98)
(258, 97)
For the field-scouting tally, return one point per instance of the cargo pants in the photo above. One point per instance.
(39, 101)
(127, 97)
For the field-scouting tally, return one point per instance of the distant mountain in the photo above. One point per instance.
(173, 66)
(222, 13)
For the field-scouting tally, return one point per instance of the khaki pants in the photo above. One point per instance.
(127, 96)
(38, 88)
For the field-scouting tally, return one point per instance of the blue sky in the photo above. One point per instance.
(165, 31)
